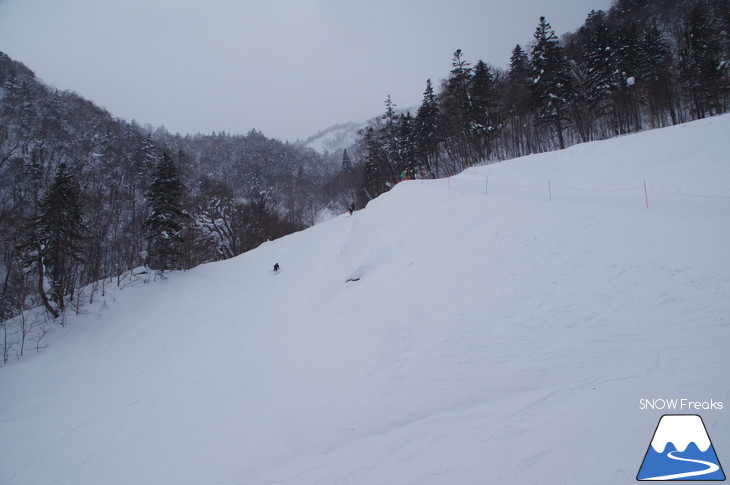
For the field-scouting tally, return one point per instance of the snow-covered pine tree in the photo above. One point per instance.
(346, 163)
(407, 147)
(378, 175)
(483, 110)
(60, 232)
(390, 134)
(600, 51)
(456, 110)
(551, 81)
(426, 130)
(704, 66)
(146, 159)
(164, 222)
(517, 102)
(458, 82)
(655, 77)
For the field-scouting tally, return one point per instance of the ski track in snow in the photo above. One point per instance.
(492, 336)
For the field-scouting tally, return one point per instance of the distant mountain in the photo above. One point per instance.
(335, 138)
(342, 136)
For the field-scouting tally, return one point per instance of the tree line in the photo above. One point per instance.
(641, 64)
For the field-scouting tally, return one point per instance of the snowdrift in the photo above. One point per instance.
(500, 326)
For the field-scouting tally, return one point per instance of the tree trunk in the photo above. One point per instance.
(559, 128)
(41, 291)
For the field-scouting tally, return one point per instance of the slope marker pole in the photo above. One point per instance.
(550, 191)
(646, 195)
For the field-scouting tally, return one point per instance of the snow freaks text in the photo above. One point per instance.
(679, 405)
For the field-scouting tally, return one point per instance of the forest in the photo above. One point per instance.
(640, 65)
(87, 200)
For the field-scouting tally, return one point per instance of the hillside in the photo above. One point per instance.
(335, 138)
(462, 330)
(240, 190)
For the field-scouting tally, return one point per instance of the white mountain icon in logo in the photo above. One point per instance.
(681, 450)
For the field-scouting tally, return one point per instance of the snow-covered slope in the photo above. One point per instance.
(455, 331)
(335, 138)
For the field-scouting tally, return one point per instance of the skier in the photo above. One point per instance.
(276, 268)
(351, 208)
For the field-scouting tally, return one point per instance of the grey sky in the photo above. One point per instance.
(286, 67)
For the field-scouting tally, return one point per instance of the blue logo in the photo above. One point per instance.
(681, 450)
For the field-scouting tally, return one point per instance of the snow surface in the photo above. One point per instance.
(492, 336)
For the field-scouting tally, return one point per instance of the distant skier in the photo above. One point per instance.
(276, 268)
(351, 209)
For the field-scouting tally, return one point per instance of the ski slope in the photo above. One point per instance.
(492, 335)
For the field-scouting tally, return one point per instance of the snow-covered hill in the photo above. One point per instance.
(334, 139)
(460, 331)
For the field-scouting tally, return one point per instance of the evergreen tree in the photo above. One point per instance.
(346, 163)
(703, 64)
(611, 64)
(601, 59)
(655, 76)
(407, 146)
(519, 66)
(456, 109)
(426, 130)
(348, 178)
(482, 93)
(378, 173)
(60, 231)
(458, 83)
(18, 101)
(389, 116)
(626, 96)
(164, 222)
(551, 85)
(483, 108)
(517, 100)
(145, 160)
(388, 140)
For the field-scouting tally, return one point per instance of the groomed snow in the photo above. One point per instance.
(492, 336)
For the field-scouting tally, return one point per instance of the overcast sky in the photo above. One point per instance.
(288, 68)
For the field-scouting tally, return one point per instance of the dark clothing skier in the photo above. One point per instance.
(276, 267)
(351, 208)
